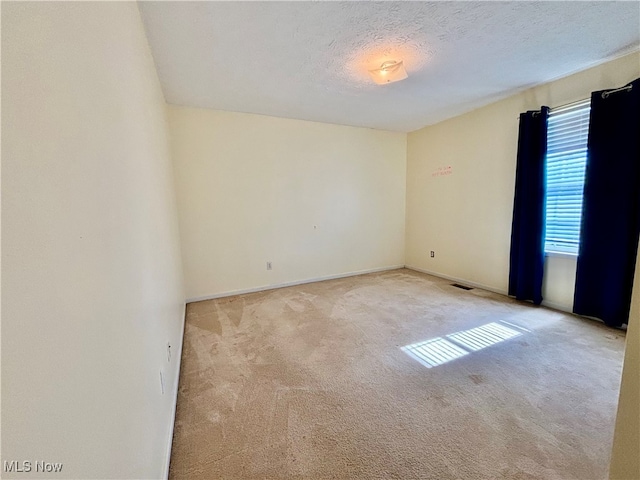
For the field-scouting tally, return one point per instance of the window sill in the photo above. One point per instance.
(561, 255)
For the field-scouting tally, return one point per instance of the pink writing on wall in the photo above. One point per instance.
(442, 171)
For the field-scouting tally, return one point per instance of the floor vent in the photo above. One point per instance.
(463, 287)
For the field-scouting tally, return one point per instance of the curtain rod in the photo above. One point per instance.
(573, 104)
(605, 94)
(566, 105)
(626, 88)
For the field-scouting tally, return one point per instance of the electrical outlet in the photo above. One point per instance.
(433, 254)
(268, 265)
(168, 352)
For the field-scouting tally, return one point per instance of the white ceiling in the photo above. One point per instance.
(309, 60)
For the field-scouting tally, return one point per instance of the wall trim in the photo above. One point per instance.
(231, 293)
(176, 383)
(460, 280)
(545, 303)
(558, 306)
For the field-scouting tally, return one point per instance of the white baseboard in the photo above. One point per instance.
(459, 280)
(545, 303)
(557, 306)
(291, 284)
(176, 383)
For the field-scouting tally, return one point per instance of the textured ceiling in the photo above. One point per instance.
(309, 60)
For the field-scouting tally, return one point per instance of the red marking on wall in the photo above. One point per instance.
(442, 171)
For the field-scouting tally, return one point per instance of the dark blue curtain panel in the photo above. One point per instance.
(611, 207)
(526, 262)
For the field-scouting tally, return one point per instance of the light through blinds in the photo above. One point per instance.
(567, 134)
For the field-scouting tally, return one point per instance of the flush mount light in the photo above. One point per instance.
(390, 71)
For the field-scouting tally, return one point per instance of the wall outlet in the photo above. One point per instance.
(269, 266)
(433, 254)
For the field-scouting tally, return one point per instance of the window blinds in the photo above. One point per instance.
(567, 133)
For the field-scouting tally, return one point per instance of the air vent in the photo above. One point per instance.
(463, 287)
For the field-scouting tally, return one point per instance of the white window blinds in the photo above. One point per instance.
(567, 134)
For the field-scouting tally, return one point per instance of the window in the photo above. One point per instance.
(567, 133)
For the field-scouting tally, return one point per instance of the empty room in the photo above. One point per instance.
(320, 240)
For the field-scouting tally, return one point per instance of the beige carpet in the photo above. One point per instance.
(311, 382)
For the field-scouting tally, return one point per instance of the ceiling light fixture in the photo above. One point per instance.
(390, 71)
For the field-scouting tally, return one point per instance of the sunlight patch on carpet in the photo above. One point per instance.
(437, 351)
(434, 352)
(483, 336)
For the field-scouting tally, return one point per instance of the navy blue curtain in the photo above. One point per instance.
(526, 263)
(611, 208)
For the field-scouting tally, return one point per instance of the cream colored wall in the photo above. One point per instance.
(465, 216)
(625, 458)
(316, 200)
(91, 272)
